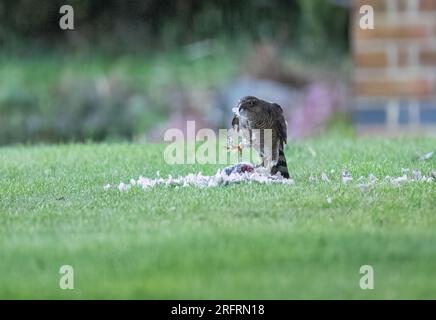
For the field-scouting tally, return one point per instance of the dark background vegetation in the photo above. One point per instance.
(132, 68)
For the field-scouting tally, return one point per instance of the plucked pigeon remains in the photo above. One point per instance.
(242, 172)
(245, 172)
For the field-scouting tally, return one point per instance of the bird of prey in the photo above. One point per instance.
(253, 117)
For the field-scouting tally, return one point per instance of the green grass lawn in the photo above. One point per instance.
(240, 241)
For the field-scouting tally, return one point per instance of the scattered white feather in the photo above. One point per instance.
(372, 178)
(426, 156)
(399, 180)
(324, 177)
(364, 183)
(346, 176)
(417, 175)
(122, 187)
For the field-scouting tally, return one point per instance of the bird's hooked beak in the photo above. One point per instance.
(238, 108)
(241, 106)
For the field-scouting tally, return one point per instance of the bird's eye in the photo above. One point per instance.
(251, 103)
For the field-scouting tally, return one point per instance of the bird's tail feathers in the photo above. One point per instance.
(281, 165)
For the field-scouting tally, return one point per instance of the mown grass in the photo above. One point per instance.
(241, 241)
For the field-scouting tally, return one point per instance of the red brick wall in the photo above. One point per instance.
(395, 65)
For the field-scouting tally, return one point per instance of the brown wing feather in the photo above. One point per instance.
(280, 123)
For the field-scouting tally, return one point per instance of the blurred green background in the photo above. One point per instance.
(131, 69)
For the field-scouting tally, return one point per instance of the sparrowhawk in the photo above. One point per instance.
(253, 117)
